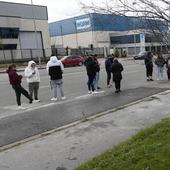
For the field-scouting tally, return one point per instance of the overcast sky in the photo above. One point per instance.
(57, 9)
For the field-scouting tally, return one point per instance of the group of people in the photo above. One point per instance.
(160, 63)
(55, 70)
(112, 66)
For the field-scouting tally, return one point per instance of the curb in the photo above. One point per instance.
(85, 119)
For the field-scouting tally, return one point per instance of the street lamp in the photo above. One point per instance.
(134, 26)
(35, 31)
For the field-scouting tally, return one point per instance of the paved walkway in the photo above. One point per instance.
(69, 148)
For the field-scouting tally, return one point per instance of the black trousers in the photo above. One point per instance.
(20, 90)
(108, 77)
(149, 71)
(168, 74)
(117, 84)
(91, 82)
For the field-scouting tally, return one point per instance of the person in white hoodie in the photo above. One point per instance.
(33, 78)
(55, 70)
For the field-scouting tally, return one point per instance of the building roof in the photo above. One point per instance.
(25, 11)
(100, 22)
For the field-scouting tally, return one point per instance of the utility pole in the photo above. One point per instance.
(134, 25)
(35, 31)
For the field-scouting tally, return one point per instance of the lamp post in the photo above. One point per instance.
(134, 25)
(35, 31)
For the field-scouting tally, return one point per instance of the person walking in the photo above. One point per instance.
(91, 73)
(117, 69)
(149, 66)
(96, 79)
(33, 79)
(108, 67)
(55, 70)
(168, 67)
(15, 81)
(159, 62)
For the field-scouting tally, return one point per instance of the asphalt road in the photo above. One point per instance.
(37, 118)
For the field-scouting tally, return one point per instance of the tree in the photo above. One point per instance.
(150, 10)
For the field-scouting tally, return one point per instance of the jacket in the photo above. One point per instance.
(14, 78)
(148, 60)
(91, 67)
(160, 62)
(117, 69)
(32, 74)
(108, 64)
(55, 68)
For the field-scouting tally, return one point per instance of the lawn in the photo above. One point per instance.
(147, 150)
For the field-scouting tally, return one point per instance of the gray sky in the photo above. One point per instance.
(57, 9)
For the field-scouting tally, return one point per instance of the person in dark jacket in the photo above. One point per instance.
(91, 73)
(96, 80)
(15, 81)
(117, 69)
(160, 62)
(55, 70)
(108, 67)
(149, 66)
(168, 67)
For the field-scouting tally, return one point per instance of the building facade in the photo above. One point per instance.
(105, 31)
(24, 31)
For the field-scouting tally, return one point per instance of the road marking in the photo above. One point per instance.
(89, 95)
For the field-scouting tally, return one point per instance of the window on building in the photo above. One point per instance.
(126, 39)
(8, 46)
(9, 33)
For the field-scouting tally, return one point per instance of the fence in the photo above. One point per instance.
(7, 56)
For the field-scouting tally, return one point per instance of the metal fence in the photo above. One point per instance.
(7, 56)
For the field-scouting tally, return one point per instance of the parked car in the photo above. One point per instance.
(141, 55)
(72, 60)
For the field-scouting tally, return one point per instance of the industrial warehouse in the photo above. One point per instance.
(104, 31)
(24, 32)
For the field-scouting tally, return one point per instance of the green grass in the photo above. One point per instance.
(147, 150)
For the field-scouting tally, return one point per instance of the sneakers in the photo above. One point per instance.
(20, 108)
(54, 99)
(36, 101)
(95, 92)
(63, 98)
(89, 92)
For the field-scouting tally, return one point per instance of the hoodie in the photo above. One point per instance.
(14, 78)
(55, 68)
(32, 74)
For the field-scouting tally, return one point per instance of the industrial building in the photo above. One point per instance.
(24, 31)
(130, 34)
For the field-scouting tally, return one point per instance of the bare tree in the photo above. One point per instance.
(149, 10)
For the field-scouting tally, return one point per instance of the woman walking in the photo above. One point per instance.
(117, 69)
(33, 79)
(55, 70)
(160, 61)
(15, 81)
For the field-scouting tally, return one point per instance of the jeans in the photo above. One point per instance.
(20, 90)
(160, 72)
(33, 88)
(96, 81)
(90, 82)
(57, 85)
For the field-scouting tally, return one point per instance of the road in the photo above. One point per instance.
(37, 118)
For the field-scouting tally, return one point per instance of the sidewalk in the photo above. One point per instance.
(67, 149)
